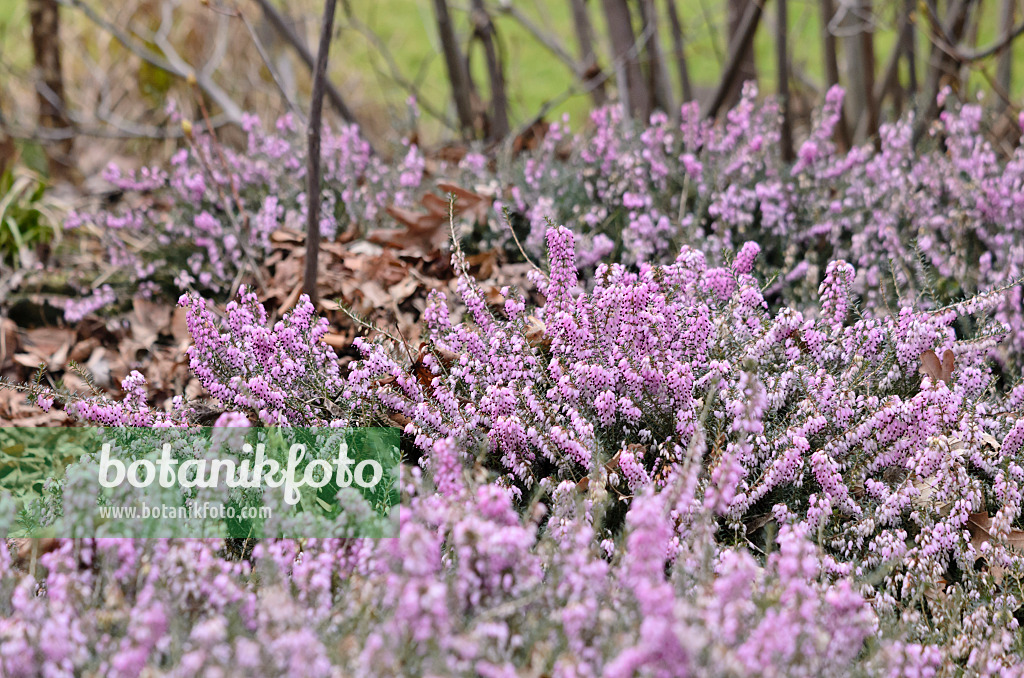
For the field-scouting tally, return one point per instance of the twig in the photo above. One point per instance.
(395, 73)
(274, 75)
(279, 23)
(782, 55)
(744, 36)
(508, 222)
(313, 155)
(483, 30)
(458, 73)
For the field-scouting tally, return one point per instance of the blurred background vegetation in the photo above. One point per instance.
(385, 51)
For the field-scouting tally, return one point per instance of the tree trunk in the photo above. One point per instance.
(860, 70)
(661, 90)
(940, 64)
(1004, 68)
(786, 140)
(832, 68)
(747, 70)
(53, 118)
(483, 29)
(591, 71)
(679, 47)
(632, 89)
(458, 72)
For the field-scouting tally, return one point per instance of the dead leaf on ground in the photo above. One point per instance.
(48, 345)
(26, 550)
(610, 466)
(980, 527)
(536, 333)
(149, 319)
(938, 371)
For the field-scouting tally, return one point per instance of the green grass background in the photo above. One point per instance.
(533, 74)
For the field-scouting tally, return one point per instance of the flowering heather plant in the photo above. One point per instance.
(209, 215)
(817, 420)
(470, 587)
(929, 224)
(714, 488)
(787, 452)
(936, 223)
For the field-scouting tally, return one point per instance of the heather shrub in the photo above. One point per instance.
(924, 226)
(659, 472)
(204, 222)
(736, 452)
(818, 420)
(471, 587)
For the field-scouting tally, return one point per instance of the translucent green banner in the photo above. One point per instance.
(199, 482)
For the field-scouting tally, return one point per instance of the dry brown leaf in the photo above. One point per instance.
(25, 549)
(374, 295)
(336, 340)
(49, 345)
(403, 290)
(98, 366)
(179, 326)
(285, 236)
(980, 527)
(925, 499)
(468, 202)
(485, 264)
(83, 349)
(437, 206)
(149, 319)
(936, 370)
(536, 332)
(610, 466)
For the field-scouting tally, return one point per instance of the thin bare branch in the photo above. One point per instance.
(744, 37)
(483, 30)
(280, 24)
(782, 56)
(458, 73)
(313, 132)
(679, 50)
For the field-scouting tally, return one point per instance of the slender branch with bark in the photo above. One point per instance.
(782, 56)
(1004, 67)
(679, 50)
(589, 68)
(737, 50)
(313, 132)
(737, 11)
(284, 29)
(827, 9)
(632, 87)
(944, 62)
(45, 19)
(908, 44)
(458, 73)
(661, 90)
(483, 30)
(859, 47)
